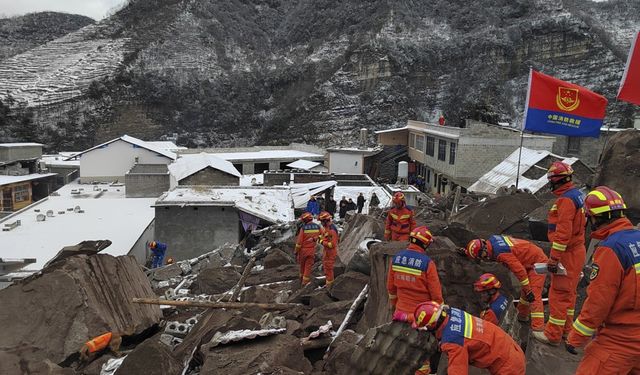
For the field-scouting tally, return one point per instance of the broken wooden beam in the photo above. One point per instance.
(216, 305)
(320, 343)
(243, 279)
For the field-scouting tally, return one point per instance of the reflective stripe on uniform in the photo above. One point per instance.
(583, 329)
(525, 282)
(392, 296)
(554, 208)
(637, 267)
(468, 325)
(411, 271)
(508, 241)
(523, 302)
(404, 217)
(394, 216)
(570, 312)
(558, 322)
(537, 314)
(559, 246)
(312, 230)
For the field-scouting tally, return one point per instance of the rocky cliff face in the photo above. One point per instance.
(20, 34)
(273, 71)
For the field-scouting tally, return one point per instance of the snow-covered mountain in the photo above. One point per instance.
(272, 71)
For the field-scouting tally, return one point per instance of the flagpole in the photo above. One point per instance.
(519, 158)
(524, 120)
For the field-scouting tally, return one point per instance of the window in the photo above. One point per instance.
(420, 143)
(21, 193)
(442, 149)
(428, 176)
(573, 145)
(430, 145)
(452, 153)
(412, 140)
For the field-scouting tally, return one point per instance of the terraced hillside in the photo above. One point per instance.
(274, 71)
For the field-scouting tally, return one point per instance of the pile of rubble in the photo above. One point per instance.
(240, 309)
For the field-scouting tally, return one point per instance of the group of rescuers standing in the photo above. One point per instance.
(610, 316)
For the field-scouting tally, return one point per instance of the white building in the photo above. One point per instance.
(349, 160)
(110, 161)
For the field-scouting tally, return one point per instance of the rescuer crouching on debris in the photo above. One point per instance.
(158, 250)
(519, 256)
(488, 286)
(467, 340)
(308, 237)
(611, 312)
(400, 221)
(413, 278)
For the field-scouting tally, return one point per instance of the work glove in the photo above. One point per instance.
(571, 349)
(400, 316)
(529, 296)
(552, 265)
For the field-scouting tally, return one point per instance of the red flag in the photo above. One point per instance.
(630, 85)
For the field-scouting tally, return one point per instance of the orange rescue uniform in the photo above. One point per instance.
(96, 344)
(612, 309)
(330, 246)
(399, 224)
(496, 309)
(520, 256)
(566, 233)
(412, 279)
(470, 340)
(306, 249)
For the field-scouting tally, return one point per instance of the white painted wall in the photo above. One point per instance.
(343, 162)
(114, 160)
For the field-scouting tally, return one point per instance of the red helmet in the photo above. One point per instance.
(421, 236)
(426, 315)
(558, 171)
(324, 215)
(486, 281)
(398, 198)
(476, 248)
(603, 199)
(306, 217)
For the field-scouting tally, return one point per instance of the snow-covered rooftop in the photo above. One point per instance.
(391, 130)
(133, 141)
(107, 215)
(252, 179)
(25, 144)
(303, 164)
(60, 160)
(166, 145)
(186, 165)
(6, 180)
(367, 191)
(505, 173)
(273, 204)
(268, 154)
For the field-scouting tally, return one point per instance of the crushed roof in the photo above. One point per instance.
(6, 180)
(107, 215)
(273, 203)
(303, 164)
(134, 141)
(186, 165)
(505, 173)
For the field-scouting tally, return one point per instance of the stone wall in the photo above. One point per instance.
(146, 185)
(210, 176)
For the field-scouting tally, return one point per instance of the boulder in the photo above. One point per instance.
(544, 359)
(165, 273)
(339, 359)
(356, 229)
(347, 286)
(276, 258)
(335, 312)
(52, 314)
(282, 273)
(151, 357)
(619, 168)
(217, 280)
(259, 355)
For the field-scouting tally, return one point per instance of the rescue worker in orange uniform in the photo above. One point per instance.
(97, 344)
(400, 221)
(308, 237)
(412, 279)
(488, 286)
(611, 311)
(566, 234)
(519, 256)
(470, 340)
(329, 242)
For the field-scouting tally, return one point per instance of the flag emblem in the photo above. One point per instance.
(567, 99)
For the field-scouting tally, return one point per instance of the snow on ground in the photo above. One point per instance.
(108, 215)
(248, 179)
(353, 192)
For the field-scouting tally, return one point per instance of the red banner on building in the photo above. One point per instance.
(630, 86)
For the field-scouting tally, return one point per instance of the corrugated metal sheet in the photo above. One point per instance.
(504, 174)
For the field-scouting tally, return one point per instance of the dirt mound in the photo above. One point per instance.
(497, 215)
(216, 280)
(51, 315)
(619, 168)
(348, 285)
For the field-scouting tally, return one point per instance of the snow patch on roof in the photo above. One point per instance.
(268, 154)
(108, 215)
(6, 180)
(26, 144)
(505, 173)
(303, 164)
(186, 165)
(133, 141)
(273, 204)
(166, 145)
(252, 179)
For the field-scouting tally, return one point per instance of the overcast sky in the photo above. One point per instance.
(96, 9)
